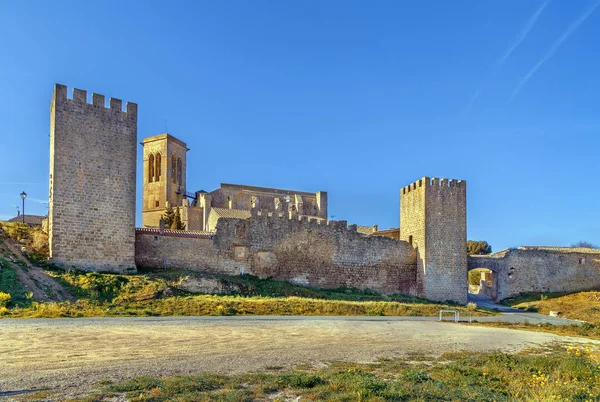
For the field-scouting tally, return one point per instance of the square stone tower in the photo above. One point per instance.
(164, 176)
(433, 219)
(92, 182)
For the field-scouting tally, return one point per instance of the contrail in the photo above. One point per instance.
(524, 32)
(37, 200)
(562, 38)
(18, 182)
(522, 35)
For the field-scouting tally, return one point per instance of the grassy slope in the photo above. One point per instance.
(153, 294)
(583, 306)
(557, 373)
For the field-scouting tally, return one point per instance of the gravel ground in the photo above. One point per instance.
(70, 356)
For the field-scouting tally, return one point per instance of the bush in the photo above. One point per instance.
(475, 275)
(4, 299)
(16, 230)
(38, 242)
(298, 379)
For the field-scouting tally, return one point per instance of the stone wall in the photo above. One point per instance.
(92, 182)
(536, 270)
(182, 249)
(302, 252)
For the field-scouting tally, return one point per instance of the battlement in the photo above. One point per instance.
(274, 220)
(433, 182)
(297, 218)
(80, 96)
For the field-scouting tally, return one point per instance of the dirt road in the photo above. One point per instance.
(71, 355)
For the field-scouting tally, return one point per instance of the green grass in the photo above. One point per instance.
(213, 305)
(586, 330)
(10, 284)
(555, 373)
(154, 294)
(527, 297)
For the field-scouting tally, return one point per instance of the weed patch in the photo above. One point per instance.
(556, 373)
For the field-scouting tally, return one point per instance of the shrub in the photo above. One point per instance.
(38, 242)
(471, 306)
(4, 299)
(298, 379)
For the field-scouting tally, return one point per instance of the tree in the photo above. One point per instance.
(584, 244)
(478, 247)
(169, 216)
(177, 224)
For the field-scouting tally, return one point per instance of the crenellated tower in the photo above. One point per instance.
(433, 220)
(164, 176)
(91, 213)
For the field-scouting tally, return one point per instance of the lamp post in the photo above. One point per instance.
(23, 196)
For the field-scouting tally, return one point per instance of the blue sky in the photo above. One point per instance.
(355, 98)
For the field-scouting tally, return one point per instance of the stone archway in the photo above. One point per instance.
(489, 278)
(486, 284)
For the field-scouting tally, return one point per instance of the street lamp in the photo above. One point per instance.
(23, 196)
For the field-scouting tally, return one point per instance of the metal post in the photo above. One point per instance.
(23, 196)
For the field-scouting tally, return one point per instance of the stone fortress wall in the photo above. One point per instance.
(540, 269)
(267, 232)
(92, 182)
(305, 251)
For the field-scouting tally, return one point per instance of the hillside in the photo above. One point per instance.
(583, 306)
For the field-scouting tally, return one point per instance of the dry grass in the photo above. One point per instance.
(587, 330)
(551, 374)
(583, 306)
(212, 305)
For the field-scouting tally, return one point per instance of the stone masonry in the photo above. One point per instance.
(433, 219)
(268, 232)
(92, 182)
(540, 269)
(164, 177)
(312, 253)
(165, 169)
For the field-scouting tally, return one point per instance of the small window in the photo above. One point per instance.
(150, 168)
(179, 171)
(229, 203)
(157, 167)
(582, 261)
(174, 168)
(157, 204)
(410, 240)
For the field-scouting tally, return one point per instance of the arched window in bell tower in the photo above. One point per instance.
(157, 167)
(174, 168)
(179, 169)
(150, 168)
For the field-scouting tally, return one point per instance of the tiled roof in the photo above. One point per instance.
(175, 233)
(29, 219)
(231, 213)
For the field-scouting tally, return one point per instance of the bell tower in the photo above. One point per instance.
(164, 176)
